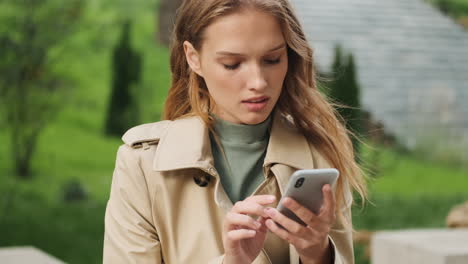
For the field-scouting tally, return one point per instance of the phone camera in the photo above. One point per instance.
(299, 182)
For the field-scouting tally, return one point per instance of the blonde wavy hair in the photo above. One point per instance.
(300, 100)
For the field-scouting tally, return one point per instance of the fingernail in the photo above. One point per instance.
(269, 211)
(258, 225)
(271, 198)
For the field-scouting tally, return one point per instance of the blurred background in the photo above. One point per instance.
(76, 74)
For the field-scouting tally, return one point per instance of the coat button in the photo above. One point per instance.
(202, 181)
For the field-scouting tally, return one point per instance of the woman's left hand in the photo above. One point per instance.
(311, 241)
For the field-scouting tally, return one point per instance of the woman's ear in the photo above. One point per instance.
(193, 58)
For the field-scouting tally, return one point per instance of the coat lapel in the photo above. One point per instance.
(288, 150)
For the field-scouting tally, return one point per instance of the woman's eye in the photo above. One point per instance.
(276, 61)
(231, 66)
(267, 61)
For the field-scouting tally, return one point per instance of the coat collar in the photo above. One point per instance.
(186, 144)
(287, 145)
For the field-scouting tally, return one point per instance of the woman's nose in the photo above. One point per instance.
(257, 79)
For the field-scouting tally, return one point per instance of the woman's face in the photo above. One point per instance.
(243, 60)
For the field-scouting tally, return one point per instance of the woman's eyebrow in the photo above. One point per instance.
(240, 54)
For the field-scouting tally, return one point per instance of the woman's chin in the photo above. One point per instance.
(254, 118)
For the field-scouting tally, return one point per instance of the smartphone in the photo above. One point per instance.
(305, 186)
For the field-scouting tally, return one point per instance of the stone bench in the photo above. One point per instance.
(22, 255)
(431, 246)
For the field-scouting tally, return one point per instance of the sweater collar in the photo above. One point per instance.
(239, 133)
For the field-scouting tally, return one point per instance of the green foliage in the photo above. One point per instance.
(73, 191)
(31, 86)
(344, 91)
(123, 107)
(81, 58)
(454, 8)
(72, 232)
(389, 212)
(77, 128)
(408, 175)
(73, 146)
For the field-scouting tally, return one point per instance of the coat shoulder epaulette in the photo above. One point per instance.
(146, 134)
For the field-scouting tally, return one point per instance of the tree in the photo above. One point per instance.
(345, 91)
(31, 86)
(123, 108)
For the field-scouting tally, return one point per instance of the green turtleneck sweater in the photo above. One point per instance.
(241, 172)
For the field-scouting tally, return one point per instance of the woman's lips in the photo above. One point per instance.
(256, 105)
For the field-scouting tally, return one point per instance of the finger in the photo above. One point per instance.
(328, 207)
(250, 207)
(233, 220)
(261, 199)
(239, 234)
(262, 221)
(243, 207)
(290, 225)
(282, 233)
(300, 211)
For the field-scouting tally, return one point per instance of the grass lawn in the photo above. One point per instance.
(405, 175)
(72, 232)
(406, 192)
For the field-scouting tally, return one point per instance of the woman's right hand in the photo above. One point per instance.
(243, 236)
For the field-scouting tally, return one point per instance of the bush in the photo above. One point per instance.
(123, 108)
(344, 91)
(73, 190)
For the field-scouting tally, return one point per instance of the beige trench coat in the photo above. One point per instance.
(167, 204)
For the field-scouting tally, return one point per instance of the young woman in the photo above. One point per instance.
(243, 113)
